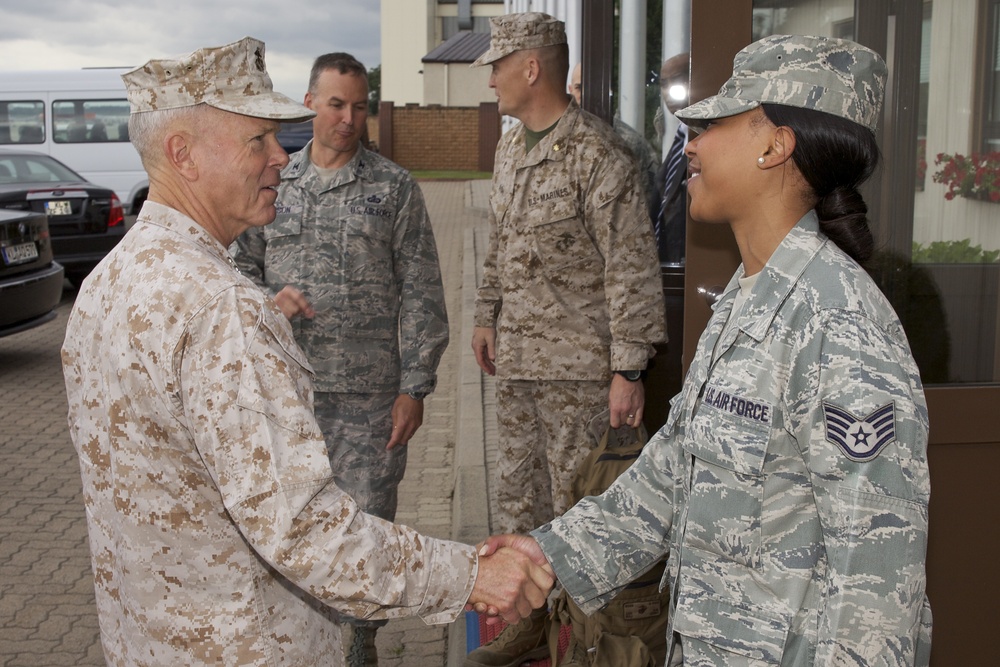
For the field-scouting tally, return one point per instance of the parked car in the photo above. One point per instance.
(293, 137)
(85, 220)
(31, 283)
(79, 117)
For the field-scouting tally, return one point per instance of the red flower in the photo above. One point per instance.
(975, 176)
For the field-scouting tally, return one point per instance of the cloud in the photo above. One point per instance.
(69, 34)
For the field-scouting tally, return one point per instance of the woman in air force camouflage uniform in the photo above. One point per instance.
(790, 482)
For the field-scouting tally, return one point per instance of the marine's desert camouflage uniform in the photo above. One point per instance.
(362, 250)
(216, 533)
(571, 283)
(789, 485)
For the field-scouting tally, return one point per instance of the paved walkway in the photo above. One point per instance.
(444, 492)
(47, 612)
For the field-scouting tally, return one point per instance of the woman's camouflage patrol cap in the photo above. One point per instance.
(832, 75)
(231, 77)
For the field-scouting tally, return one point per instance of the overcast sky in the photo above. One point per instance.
(69, 34)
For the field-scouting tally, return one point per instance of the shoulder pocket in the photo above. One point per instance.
(276, 379)
(612, 182)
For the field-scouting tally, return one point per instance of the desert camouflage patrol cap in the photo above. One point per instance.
(836, 76)
(518, 32)
(231, 78)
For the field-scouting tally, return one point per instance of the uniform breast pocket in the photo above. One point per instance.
(727, 485)
(287, 223)
(559, 237)
(282, 260)
(368, 230)
(274, 371)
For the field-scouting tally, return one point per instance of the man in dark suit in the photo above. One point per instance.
(669, 210)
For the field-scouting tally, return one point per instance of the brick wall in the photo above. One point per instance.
(373, 130)
(435, 137)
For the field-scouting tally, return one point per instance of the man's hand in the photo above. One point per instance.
(407, 416)
(522, 543)
(511, 583)
(484, 344)
(625, 402)
(293, 302)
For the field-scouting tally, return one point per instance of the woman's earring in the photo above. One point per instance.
(761, 160)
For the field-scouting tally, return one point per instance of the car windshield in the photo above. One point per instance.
(19, 168)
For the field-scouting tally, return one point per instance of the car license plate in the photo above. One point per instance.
(61, 207)
(19, 254)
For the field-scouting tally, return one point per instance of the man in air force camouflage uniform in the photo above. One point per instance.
(217, 535)
(351, 261)
(571, 301)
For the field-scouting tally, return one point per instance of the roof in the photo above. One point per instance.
(462, 47)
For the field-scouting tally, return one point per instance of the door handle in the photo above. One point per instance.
(711, 294)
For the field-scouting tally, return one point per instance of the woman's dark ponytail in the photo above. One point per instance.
(835, 156)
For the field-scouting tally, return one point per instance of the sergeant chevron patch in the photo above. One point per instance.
(861, 438)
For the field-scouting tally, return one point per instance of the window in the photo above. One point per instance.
(832, 18)
(989, 118)
(81, 121)
(923, 96)
(22, 122)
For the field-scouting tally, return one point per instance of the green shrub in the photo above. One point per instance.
(953, 252)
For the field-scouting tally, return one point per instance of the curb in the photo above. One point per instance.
(470, 510)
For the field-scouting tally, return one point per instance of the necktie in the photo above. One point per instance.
(675, 158)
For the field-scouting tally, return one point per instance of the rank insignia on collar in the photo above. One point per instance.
(861, 438)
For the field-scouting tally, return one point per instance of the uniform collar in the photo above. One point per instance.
(553, 146)
(779, 275)
(178, 223)
(300, 166)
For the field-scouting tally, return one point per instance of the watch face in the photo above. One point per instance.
(631, 376)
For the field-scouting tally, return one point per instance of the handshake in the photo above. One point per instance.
(514, 578)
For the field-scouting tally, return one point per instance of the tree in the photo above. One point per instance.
(374, 89)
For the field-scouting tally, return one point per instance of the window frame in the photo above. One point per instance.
(80, 115)
(40, 110)
(987, 73)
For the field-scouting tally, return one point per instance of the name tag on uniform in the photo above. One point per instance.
(747, 408)
(288, 209)
(372, 211)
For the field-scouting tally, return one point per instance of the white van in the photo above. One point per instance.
(79, 117)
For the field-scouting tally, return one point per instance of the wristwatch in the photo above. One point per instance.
(631, 376)
(417, 395)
